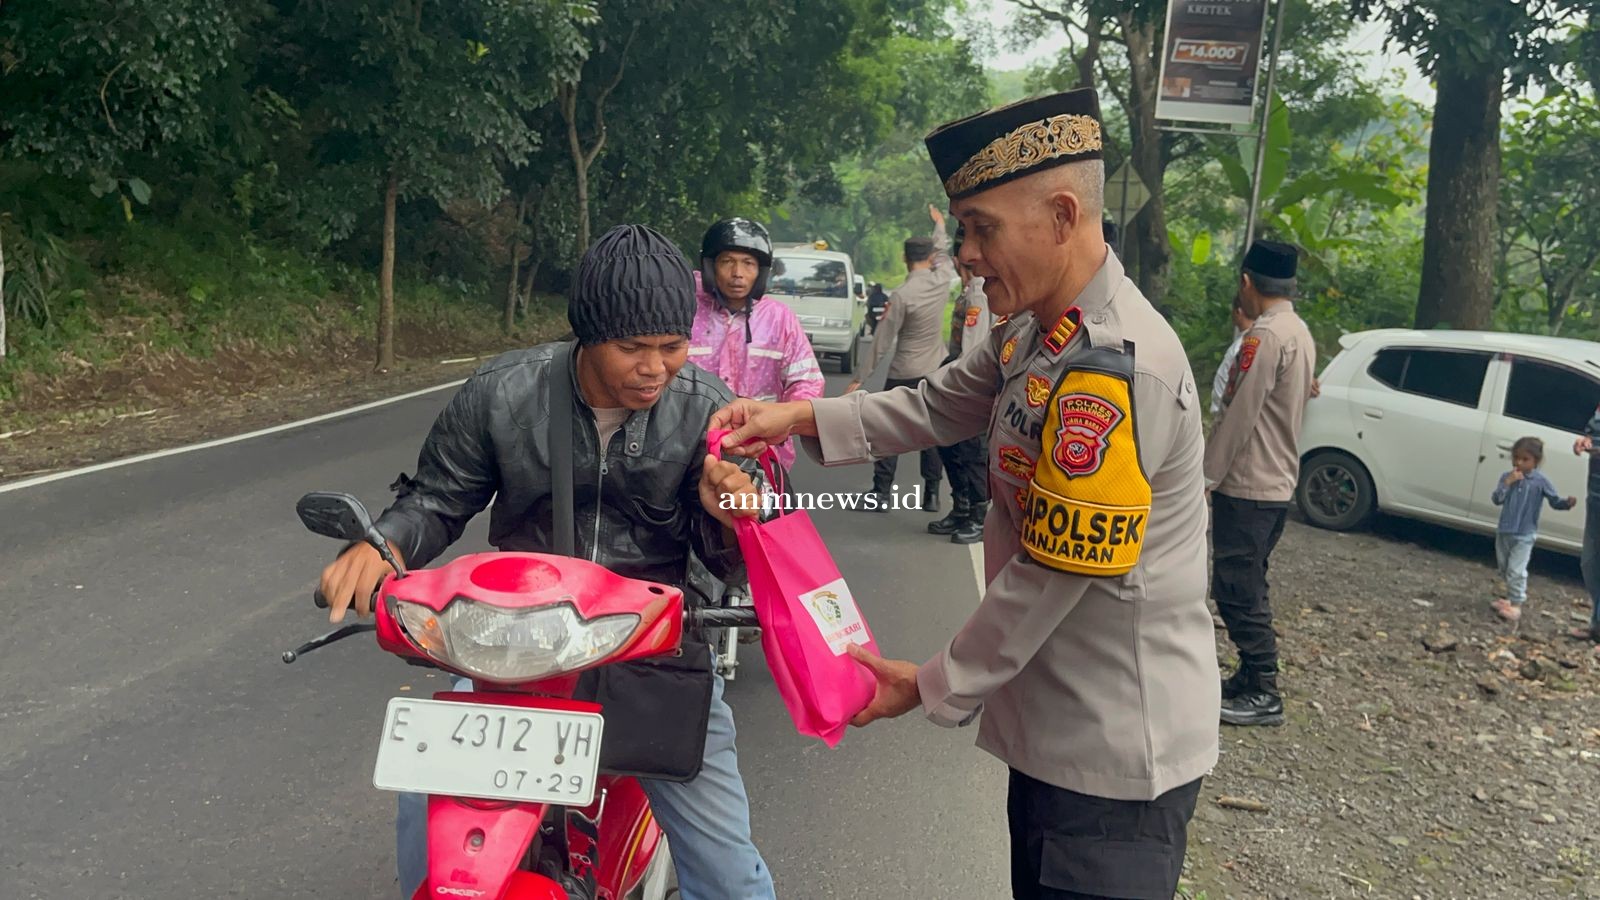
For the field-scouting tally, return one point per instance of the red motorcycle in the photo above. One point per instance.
(517, 806)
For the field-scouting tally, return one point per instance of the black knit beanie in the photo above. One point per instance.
(632, 282)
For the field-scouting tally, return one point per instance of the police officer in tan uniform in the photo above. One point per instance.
(966, 462)
(1091, 657)
(1252, 464)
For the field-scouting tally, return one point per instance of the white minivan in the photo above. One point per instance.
(819, 285)
(1420, 424)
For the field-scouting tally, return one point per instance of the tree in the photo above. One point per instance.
(1550, 212)
(1475, 50)
(420, 99)
(583, 157)
(96, 89)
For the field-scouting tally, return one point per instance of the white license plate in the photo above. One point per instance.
(492, 752)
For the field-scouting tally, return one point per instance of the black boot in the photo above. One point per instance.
(1237, 683)
(971, 530)
(874, 501)
(951, 523)
(1259, 704)
(930, 496)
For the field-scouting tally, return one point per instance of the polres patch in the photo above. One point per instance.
(1086, 419)
(1006, 351)
(972, 316)
(1247, 352)
(1089, 499)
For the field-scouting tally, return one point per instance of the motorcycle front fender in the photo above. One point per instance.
(473, 852)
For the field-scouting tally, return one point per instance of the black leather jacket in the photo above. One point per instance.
(637, 503)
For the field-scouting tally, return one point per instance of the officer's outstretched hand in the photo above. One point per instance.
(757, 425)
(897, 692)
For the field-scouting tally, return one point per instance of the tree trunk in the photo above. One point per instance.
(1462, 202)
(568, 95)
(1150, 226)
(583, 204)
(2, 294)
(386, 277)
(510, 321)
(1090, 58)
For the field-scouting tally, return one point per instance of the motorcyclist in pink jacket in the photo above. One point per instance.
(756, 346)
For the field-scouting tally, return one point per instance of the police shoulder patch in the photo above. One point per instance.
(1247, 352)
(972, 315)
(1009, 348)
(1088, 501)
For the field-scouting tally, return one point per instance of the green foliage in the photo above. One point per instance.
(1519, 36)
(1550, 214)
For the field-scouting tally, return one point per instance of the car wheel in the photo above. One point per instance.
(1335, 491)
(847, 359)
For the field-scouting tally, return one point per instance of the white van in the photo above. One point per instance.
(819, 285)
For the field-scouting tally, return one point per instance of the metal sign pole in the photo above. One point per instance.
(1122, 215)
(1261, 137)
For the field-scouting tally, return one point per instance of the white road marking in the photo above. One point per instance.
(146, 457)
(977, 567)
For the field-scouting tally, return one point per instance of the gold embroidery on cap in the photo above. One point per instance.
(1027, 146)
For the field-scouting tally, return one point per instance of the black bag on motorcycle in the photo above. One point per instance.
(656, 711)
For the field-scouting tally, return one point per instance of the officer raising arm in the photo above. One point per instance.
(1091, 656)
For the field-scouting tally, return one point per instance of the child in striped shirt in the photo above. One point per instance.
(1519, 495)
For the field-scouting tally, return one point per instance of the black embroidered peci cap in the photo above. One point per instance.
(1272, 259)
(991, 148)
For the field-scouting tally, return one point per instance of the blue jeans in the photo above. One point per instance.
(707, 823)
(1512, 552)
(1591, 557)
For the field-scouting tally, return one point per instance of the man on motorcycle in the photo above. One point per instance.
(646, 494)
(758, 349)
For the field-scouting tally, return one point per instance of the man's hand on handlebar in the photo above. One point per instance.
(352, 578)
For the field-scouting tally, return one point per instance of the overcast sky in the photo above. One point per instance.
(1367, 41)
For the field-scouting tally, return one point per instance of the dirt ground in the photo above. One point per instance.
(1431, 750)
(137, 405)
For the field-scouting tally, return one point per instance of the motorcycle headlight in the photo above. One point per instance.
(836, 323)
(512, 645)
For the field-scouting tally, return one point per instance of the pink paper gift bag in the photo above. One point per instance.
(808, 617)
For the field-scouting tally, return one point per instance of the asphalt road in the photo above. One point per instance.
(153, 745)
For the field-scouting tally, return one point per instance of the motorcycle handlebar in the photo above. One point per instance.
(721, 617)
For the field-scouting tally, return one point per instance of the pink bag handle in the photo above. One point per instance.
(768, 458)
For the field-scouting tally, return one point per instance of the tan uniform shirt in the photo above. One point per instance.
(914, 325)
(1102, 684)
(1254, 450)
(970, 319)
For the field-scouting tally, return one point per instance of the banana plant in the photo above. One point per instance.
(1309, 208)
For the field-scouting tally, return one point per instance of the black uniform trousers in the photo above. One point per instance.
(967, 464)
(883, 470)
(1243, 533)
(1071, 846)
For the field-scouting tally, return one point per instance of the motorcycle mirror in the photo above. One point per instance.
(342, 516)
(334, 515)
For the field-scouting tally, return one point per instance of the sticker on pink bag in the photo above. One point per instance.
(836, 615)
